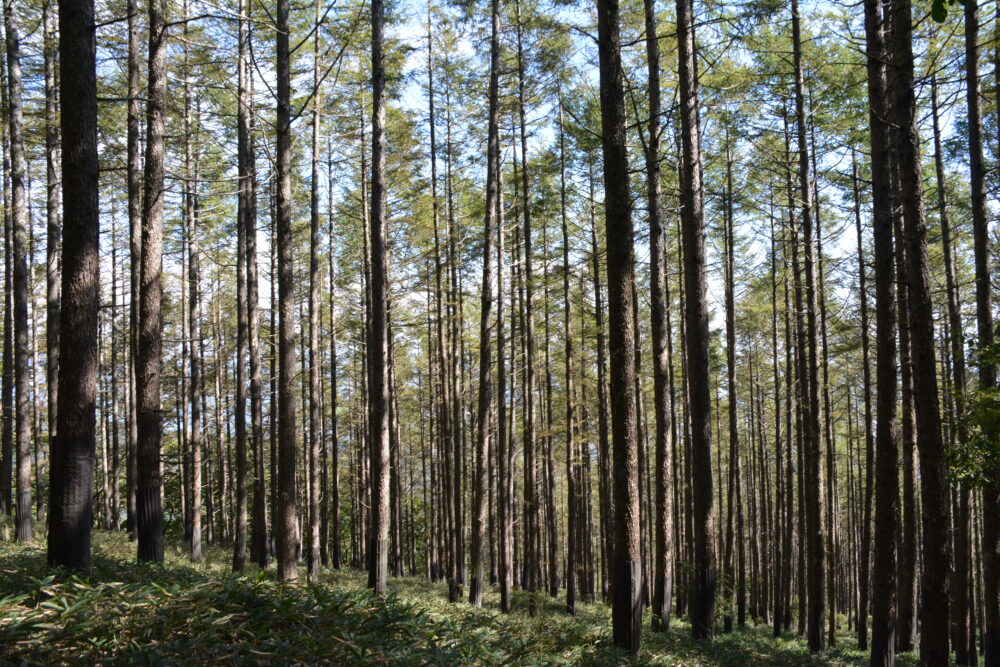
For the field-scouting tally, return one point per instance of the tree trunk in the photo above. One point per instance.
(149, 509)
(70, 512)
(696, 329)
(884, 614)
(663, 516)
(626, 586)
(485, 400)
(378, 381)
(935, 520)
(286, 542)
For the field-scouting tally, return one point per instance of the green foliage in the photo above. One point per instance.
(974, 459)
(126, 612)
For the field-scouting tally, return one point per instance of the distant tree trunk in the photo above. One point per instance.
(286, 543)
(378, 381)
(194, 304)
(696, 329)
(663, 517)
(962, 602)
(936, 519)
(816, 539)
(734, 498)
(984, 321)
(134, 186)
(335, 555)
(70, 510)
(53, 230)
(626, 586)
(315, 433)
(485, 399)
(864, 568)
(149, 508)
(19, 258)
(883, 643)
(7, 463)
(573, 499)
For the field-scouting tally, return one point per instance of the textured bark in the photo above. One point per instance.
(286, 536)
(335, 553)
(70, 488)
(813, 499)
(626, 568)
(485, 397)
(934, 496)
(378, 348)
(315, 432)
(696, 330)
(884, 614)
(865, 541)
(53, 230)
(663, 513)
(573, 500)
(149, 346)
(19, 258)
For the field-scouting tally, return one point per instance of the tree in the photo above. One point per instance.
(286, 540)
(626, 585)
(378, 334)
(149, 346)
(696, 329)
(486, 325)
(72, 453)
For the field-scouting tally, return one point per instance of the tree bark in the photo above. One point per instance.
(70, 507)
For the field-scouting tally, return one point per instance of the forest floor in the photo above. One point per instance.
(179, 613)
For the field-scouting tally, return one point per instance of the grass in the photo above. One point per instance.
(179, 613)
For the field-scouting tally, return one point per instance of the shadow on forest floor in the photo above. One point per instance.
(180, 613)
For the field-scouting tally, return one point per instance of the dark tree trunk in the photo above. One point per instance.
(883, 643)
(149, 508)
(485, 398)
(696, 329)
(935, 519)
(53, 231)
(626, 585)
(663, 515)
(984, 321)
(72, 469)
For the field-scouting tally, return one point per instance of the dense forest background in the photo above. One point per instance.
(683, 309)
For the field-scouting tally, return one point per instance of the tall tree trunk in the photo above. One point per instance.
(696, 329)
(149, 508)
(984, 321)
(864, 568)
(134, 186)
(733, 498)
(70, 507)
(315, 433)
(19, 258)
(935, 519)
(626, 586)
(816, 539)
(663, 516)
(378, 381)
(53, 231)
(286, 541)
(884, 614)
(485, 399)
(573, 496)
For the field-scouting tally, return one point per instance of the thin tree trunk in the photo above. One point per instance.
(149, 509)
(286, 542)
(485, 399)
(378, 380)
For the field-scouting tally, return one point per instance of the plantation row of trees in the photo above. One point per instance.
(733, 357)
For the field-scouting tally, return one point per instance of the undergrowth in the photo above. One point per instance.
(125, 612)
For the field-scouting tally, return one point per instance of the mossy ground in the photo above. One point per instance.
(123, 612)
